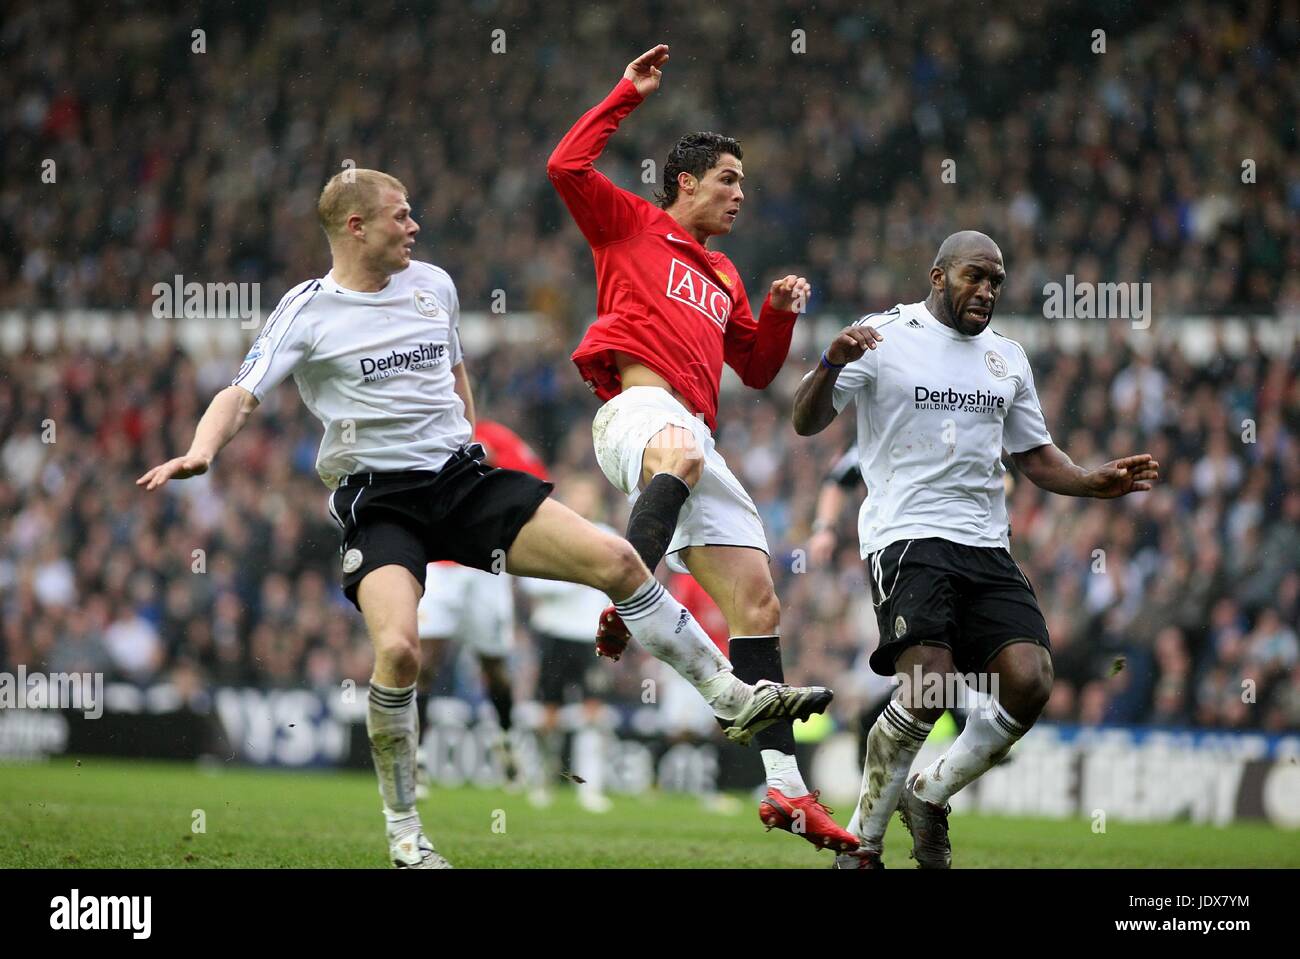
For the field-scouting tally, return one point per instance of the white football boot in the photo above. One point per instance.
(414, 851)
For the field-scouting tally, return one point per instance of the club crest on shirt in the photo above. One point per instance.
(352, 561)
(996, 364)
(900, 627)
(426, 303)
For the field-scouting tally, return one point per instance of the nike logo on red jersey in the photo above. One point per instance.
(677, 239)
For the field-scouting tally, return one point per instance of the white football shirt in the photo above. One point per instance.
(935, 411)
(374, 368)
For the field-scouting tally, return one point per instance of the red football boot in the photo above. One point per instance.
(612, 636)
(806, 816)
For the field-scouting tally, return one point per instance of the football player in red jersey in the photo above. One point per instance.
(670, 312)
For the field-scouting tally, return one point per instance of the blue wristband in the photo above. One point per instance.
(831, 366)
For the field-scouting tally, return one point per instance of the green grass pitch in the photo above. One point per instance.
(131, 814)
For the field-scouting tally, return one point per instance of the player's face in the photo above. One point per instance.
(392, 232)
(719, 196)
(970, 291)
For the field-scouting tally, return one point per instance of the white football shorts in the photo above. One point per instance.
(468, 605)
(717, 513)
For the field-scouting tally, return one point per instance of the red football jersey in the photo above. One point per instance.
(660, 296)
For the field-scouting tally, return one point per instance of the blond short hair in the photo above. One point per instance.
(353, 191)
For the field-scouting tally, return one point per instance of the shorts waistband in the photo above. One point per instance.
(473, 451)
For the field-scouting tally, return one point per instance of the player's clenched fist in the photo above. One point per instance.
(182, 467)
(790, 293)
(852, 343)
(644, 70)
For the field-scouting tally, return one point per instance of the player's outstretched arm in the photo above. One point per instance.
(225, 416)
(602, 211)
(1051, 469)
(814, 406)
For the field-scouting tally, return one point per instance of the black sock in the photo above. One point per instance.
(654, 517)
(759, 657)
(503, 700)
(421, 707)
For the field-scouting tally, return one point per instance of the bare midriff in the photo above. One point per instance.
(635, 373)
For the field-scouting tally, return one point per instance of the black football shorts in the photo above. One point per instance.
(563, 676)
(932, 592)
(467, 512)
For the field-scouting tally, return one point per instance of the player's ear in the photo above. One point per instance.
(937, 277)
(686, 182)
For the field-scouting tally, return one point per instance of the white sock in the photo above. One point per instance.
(895, 739)
(393, 726)
(990, 732)
(670, 633)
(552, 756)
(589, 759)
(783, 773)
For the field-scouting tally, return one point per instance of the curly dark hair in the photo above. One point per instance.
(696, 154)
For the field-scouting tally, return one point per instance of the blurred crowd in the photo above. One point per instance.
(1177, 607)
(1114, 143)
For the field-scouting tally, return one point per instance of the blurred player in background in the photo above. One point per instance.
(842, 480)
(560, 618)
(670, 312)
(477, 608)
(374, 348)
(936, 406)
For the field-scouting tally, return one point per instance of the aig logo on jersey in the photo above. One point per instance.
(996, 364)
(690, 286)
(425, 303)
